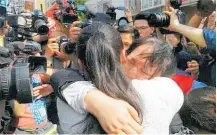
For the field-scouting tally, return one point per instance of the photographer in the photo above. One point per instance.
(32, 118)
(202, 37)
(140, 23)
(22, 38)
(185, 64)
(56, 55)
(205, 38)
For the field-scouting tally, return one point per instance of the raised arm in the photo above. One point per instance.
(194, 34)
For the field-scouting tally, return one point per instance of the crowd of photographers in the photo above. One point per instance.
(156, 74)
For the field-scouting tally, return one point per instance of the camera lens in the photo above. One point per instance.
(159, 20)
(5, 82)
(66, 45)
(41, 27)
(2, 22)
(69, 48)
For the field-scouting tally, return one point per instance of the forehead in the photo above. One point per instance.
(126, 35)
(143, 49)
(141, 23)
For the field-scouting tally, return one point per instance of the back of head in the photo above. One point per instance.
(199, 110)
(106, 36)
(99, 46)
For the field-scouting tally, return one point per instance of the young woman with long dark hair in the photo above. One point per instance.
(99, 47)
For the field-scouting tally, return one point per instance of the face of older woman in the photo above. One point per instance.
(138, 65)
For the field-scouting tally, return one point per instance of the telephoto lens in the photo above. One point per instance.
(158, 20)
(41, 27)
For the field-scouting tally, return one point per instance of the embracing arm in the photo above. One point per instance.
(84, 97)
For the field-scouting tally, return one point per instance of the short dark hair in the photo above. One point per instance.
(125, 29)
(142, 16)
(130, 30)
(199, 109)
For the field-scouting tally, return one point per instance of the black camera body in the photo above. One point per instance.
(15, 80)
(158, 20)
(3, 14)
(111, 12)
(88, 21)
(68, 14)
(16, 63)
(16, 72)
(163, 20)
(66, 45)
(38, 25)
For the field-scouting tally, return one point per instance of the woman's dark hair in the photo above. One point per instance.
(162, 55)
(99, 46)
(199, 109)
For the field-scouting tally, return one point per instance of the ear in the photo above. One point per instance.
(123, 57)
(152, 28)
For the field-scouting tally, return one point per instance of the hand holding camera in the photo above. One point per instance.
(174, 21)
(74, 31)
(51, 47)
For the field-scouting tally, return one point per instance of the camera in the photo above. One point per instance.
(68, 14)
(66, 45)
(38, 22)
(159, 20)
(111, 12)
(3, 14)
(14, 78)
(88, 21)
(163, 20)
(16, 72)
(16, 63)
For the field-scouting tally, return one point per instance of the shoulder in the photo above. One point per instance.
(66, 75)
(157, 83)
(209, 36)
(161, 88)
